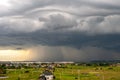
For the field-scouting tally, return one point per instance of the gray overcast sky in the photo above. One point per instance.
(61, 30)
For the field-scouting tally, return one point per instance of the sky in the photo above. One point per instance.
(59, 30)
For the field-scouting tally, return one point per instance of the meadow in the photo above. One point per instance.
(71, 72)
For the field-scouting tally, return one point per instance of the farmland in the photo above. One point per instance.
(69, 72)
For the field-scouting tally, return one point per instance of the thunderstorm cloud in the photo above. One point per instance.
(62, 30)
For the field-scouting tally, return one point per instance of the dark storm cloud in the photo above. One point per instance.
(77, 25)
(76, 40)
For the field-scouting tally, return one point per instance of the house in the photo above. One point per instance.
(47, 75)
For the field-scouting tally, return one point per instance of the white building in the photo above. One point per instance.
(47, 75)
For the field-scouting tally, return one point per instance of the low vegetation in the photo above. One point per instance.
(67, 72)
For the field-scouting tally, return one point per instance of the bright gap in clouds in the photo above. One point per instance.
(4, 2)
(14, 55)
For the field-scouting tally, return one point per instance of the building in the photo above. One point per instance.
(47, 75)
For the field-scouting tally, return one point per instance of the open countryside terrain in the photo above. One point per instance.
(69, 72)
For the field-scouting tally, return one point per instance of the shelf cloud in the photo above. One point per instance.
(80, 25)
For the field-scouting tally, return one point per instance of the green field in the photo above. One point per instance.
(69, 73)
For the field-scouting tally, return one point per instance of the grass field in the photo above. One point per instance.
(69, 73)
